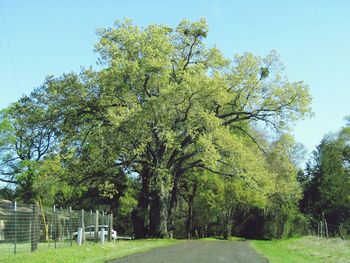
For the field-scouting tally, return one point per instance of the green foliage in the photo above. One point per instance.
(127, 202)
(327, 183)
(282, 215)
(50, 183)
(162, 107)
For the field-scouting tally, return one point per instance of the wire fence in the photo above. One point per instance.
(323, 229)
(26, 228)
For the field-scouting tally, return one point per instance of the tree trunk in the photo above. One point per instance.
(140, 215)
(158, 227)
(189, 223)
(163, 208)
(228, 227)
(173, 203)
(154, 214)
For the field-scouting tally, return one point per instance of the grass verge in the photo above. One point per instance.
(304, 250)
(89, 253)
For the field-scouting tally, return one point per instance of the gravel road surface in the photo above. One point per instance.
(198, 252)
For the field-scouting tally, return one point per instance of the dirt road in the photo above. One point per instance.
(198, 252)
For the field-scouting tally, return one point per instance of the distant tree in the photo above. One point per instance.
(327, 190)
(6, 193)
(27, 135)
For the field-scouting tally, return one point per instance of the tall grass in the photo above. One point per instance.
(88, 253)
(305, 249)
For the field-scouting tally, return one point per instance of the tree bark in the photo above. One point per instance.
(141, 214)
(158, 227)
(173, 203)
(163, 228)
(189, 222)
(228, 227)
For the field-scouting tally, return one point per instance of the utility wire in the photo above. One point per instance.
(10, 49)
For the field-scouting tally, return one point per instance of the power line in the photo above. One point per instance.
(10, 49)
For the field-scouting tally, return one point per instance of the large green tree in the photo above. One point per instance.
(162, 106)
(183, 104)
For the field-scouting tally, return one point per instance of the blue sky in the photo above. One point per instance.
(38, 38)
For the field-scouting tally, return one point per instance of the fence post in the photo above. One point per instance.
(90, 227)
(326, 228)
(15, 236)
(59, 225)
(30, 230)
(110, 227)
(63, 225)
(70, 226)
(82, 226)
(96, 226)
(341, 231)
(80, 236)
(102, 238)
(55, 225)
(35, 226)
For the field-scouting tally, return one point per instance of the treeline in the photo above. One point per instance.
(326, 181)
(171, 136)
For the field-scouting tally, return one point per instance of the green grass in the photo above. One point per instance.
(305, 249)
(88, 253)
(295, 250)
(221, 238)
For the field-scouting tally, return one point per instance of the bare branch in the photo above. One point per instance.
(251, 137)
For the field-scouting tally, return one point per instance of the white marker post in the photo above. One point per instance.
(80, 236)
(102, 238)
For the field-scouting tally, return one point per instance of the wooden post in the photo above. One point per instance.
(83, 225)
(62, 224)
(96, 226)
(35, 228)
(341, 231)
(90, 227)
(55, 225)
(30, 230)
(110, 227)
(70, 226)
(326, 228)
(15, 236)
(58, 222)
